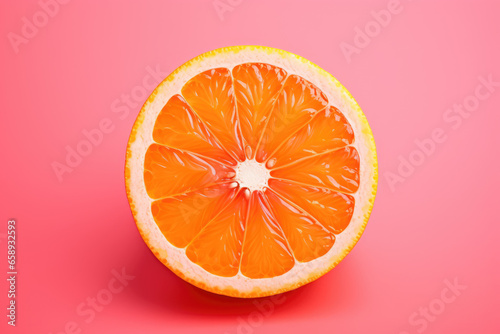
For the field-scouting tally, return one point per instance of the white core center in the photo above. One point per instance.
(252, 175)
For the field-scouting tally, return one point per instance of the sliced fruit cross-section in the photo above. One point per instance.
(250, 171)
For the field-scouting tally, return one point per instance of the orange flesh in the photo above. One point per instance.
(254, 111)
(257, 87)
(217, 247)
(178, 127)
(297, 103)
(177, 219)
(336, 170)
(265, 253)
(211, 95)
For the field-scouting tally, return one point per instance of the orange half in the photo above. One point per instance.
(250, 171)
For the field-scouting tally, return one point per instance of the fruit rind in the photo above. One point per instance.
(141, 138)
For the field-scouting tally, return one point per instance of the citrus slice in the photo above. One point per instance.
(250, 171)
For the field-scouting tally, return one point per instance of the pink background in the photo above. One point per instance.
(440, 224)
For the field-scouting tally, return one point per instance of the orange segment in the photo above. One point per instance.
(182, 217)
(169, 172)
(218, 246)
(307, 238)
(211, 96)
(178, 127)
(336, 170)
(328, 130)
(265, 251)
(256, 87)
(332, 209)
(297, 103)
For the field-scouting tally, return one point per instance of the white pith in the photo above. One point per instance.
(252, 175)
(301, 273)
